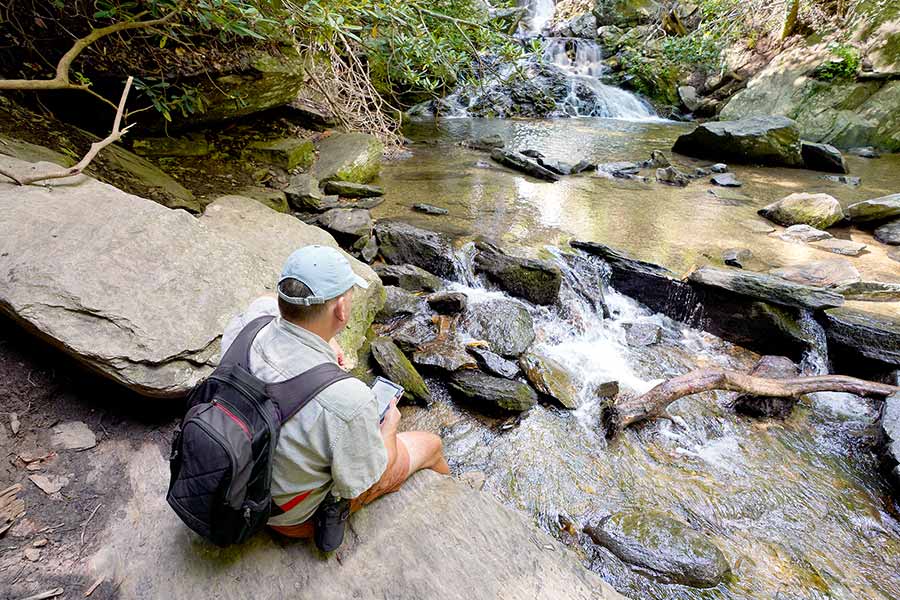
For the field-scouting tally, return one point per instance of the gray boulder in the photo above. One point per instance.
(672, 176)
(398, 303)
(877, 209)
(669, 549)
(579, 26)
(430, 209)
(347, 225)
(155, 330)
(889, 233)
(725, 180)
(766, 287)
(485, 143)
(352, 157)
(821, 273)
(803, 233)
(402, 243)
(151, 554)
(889, 440)
(621, 169)
(842, 247)
(550, 378)
(412, 333)
(823, 157)
(492, 394)
(625, 13)
(398, 369)
(504, 324)
(537, 281)
(303, 193)
(448, 303)
(872, 291)
(689, 98)
(520, 162)
(870, 334)
(494, 364)
(816, 210)
(274, 199)
(286, 153)
(409, 277)
(773, 141)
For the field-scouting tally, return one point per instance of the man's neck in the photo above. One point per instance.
(323, 330)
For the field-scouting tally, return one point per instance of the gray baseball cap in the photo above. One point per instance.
(324, 270)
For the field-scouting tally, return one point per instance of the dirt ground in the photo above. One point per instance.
(43, 388)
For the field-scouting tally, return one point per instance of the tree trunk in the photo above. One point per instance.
(790, 21)
(625, 410)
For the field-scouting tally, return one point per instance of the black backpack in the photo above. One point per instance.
(221, 461)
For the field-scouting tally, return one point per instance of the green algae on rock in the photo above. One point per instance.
(354, 157)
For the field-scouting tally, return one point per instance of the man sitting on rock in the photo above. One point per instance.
(334, 447)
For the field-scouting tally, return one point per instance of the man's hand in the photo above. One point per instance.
(339, 351)
(391, 417)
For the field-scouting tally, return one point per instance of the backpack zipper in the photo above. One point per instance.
(234, 418)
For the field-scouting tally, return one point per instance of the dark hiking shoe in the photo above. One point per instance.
(330, 521)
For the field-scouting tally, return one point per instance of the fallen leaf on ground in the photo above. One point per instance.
(49, 484)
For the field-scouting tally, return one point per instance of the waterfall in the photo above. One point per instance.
(815, 357)
(539, 14)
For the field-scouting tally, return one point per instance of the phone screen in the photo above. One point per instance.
(385, 391)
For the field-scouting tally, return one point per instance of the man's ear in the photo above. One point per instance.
(341, 309)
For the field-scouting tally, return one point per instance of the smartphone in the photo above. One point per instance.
(385, 391)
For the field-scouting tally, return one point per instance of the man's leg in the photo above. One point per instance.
(426, 451)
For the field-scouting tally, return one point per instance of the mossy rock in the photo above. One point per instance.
(274, 199)
(550, 378)
(492, 394)
(286, 153)
(352, 157)
(398, 369)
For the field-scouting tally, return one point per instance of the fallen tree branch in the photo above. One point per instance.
(625, 411)
(96, 147)
(61, 80)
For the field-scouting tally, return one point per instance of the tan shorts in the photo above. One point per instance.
(393, 478)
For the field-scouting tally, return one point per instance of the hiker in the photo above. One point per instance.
(334, 450)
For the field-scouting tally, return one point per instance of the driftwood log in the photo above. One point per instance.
(627, 410)
(11, 507)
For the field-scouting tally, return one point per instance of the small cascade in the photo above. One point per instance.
(464, 259)
(815, 357)
(539, 14)
(578, 57)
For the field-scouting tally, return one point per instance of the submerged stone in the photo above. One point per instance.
(822, 273)
(534, 280)
(845, 179)
(350, 189)
(823, 157)
(492, 394)
(485, 143)
(550, 378)
(520, 162)
(725, 180)
(662, 547)
(194, 144)
(736, 257)
(642, 334)
(803, 233)
(877, 209)
(430, 209)
(844, 247)
(817, 210)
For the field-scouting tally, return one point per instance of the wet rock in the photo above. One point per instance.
(520, 162)
(766, 287)
(620, 169)
(492, 394)
(398, 303)
(402, 243)
(583, 165)
(72, 435)
(448, 303)
(843, 247)
(864, 152)
(823, 157)
(557, 166)
(193, 144)
(689, 98)
(606, 389)
(550, 378)
(757, 226)
(719, 168)
(534, 280)
(161, 337)
(303, 193)
(367, 251)
(773, 141)
(494, 364)
(409, 277)
(672, 176)
(872, 335)
(821, 273)
(286, 153)
(412, 333)
(532, 153)
(430, 209)
(803, 233)
(349, 189)
(448, 355)
(845, 179)
(725, 180)
(505, 324)
(580, 26)
(888, 441)
(770, 367)
(485, 143)
(874, 291)
(817, 210)
(894, 254)
(352, 157)
(398, 369)
(877, 209)
(668, 550)
(347, 225)
(625, 13)
(658, 160)
(889, 233)
(642, 334)
(736, 257)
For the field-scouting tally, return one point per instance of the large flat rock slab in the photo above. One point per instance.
(435, 538)
(139, 292)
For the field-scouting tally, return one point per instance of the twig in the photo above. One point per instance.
(96, 147)
(84, 527)
(97, 583)
(48, 594)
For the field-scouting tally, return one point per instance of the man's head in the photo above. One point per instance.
(315, 289)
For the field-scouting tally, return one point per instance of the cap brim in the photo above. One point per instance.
(360, 281)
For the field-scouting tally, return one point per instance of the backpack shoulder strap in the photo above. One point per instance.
(239, 351)
(293, 394)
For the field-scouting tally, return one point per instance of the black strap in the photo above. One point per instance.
(293, 394)
(239, 351)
